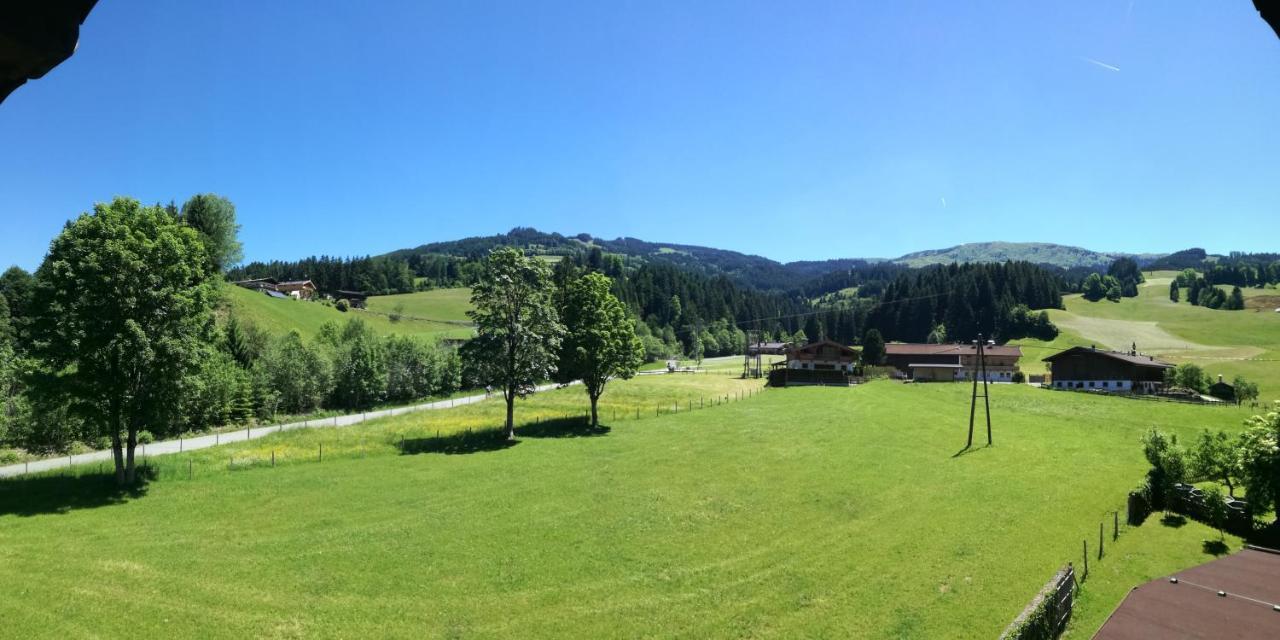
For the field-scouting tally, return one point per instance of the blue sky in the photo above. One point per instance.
(791, 130)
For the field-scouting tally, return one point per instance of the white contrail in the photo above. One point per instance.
(1101, 64)
(944, 203)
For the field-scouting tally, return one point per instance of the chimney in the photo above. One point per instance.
(1219, 378)
(1134, 350)
(1093, 347)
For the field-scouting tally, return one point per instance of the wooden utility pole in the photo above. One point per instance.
(979, 368)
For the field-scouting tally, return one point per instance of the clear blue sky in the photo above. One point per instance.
(790, 130)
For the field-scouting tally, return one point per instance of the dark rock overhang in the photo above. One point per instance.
(36, 36)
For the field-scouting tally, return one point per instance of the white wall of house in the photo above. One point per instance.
(809, 365)
(1105, 385)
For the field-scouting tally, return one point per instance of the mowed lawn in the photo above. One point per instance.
(279, 316)
(1229, 343)
(801, 512)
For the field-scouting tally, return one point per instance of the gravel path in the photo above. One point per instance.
(204, 442)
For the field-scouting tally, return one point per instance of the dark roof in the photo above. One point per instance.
(814, 345)
(934, 365)
(915, 349)
(1139, 359)
(256, 281)
(35, 37)
(297, 284)
(1192, 608)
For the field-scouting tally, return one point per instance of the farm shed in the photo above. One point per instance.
(1097, 369)
(1235, 596)
(935, 361)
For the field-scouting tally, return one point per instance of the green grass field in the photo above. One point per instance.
(446, 305)
(278, 316)
(802, 512)
(1223, 342)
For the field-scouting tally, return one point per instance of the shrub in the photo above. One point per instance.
(1019, 377)
(102, 443)
(342, 305)
(10, 456)
(145, 437)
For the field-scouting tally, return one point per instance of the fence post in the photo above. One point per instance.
(216, 437)
(1086, 558)
(1099, 540)
(1115, 525)
(321, 452)
(190, 470)
(179, 443)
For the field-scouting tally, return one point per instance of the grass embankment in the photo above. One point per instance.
(445, 305)
(277, 316)
(1229, 343)
(800, 512)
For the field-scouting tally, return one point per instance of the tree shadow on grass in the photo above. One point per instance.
(458, 444)
(1173, 520)
(51, 494)
(1215, 547)
(561, 428)
(968, 450)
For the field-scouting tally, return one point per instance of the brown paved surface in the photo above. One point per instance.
(1192, 608)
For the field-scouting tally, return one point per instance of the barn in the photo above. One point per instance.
(1115, 371)
(823, 362)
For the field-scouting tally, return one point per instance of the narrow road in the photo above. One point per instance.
(204, 442)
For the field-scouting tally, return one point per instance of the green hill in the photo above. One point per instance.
(808, 512)
(277, 316)
(1222, 342)
(1035, 252)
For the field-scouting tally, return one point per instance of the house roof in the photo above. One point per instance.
(1139, 359)
(256, 281)
(813, 346)
(934, 365)
(296, 284)
(915, 349)
(769, 345)
(1193, 608)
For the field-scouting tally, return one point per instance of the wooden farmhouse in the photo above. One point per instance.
(951, 362)
(356, 299)
(823, 362)
(298, 289)
(1113, 371)
(768, 348)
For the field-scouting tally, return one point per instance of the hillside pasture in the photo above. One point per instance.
(799, 512)
(1229, 343)
(279, 316)
(442, 305)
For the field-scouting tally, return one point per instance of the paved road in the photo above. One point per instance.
(204, 442)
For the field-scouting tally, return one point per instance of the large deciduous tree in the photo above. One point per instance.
(1260, 462)
(122, 319)
(518, 331)
(215, 218)
(600, 340)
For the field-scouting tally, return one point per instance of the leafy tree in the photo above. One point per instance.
(215, 218)
(518, 331)
(359, 367)
(1173, 291)
(1168, 464)
(295, 376)
(1259, 453)
(1127, 275)
(599, 341)
(938, 335)
(1216, 509)
(873, 348)
(1093, 289)
(1214, 456)
(414, 369)
(122, 317)
(17, 287)
(1190, 376)
(1246, 391)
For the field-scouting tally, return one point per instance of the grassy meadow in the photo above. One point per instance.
(800, 512)
(446, 305)
(279, 316)
(1222, 342)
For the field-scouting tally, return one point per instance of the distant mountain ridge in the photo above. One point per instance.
(1044, 253)
(764, 272)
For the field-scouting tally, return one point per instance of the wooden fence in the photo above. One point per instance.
(1045, 618)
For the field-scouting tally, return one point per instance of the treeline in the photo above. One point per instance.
(1201, 292)
(994, 300)
(374, 275)
(85, 363)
